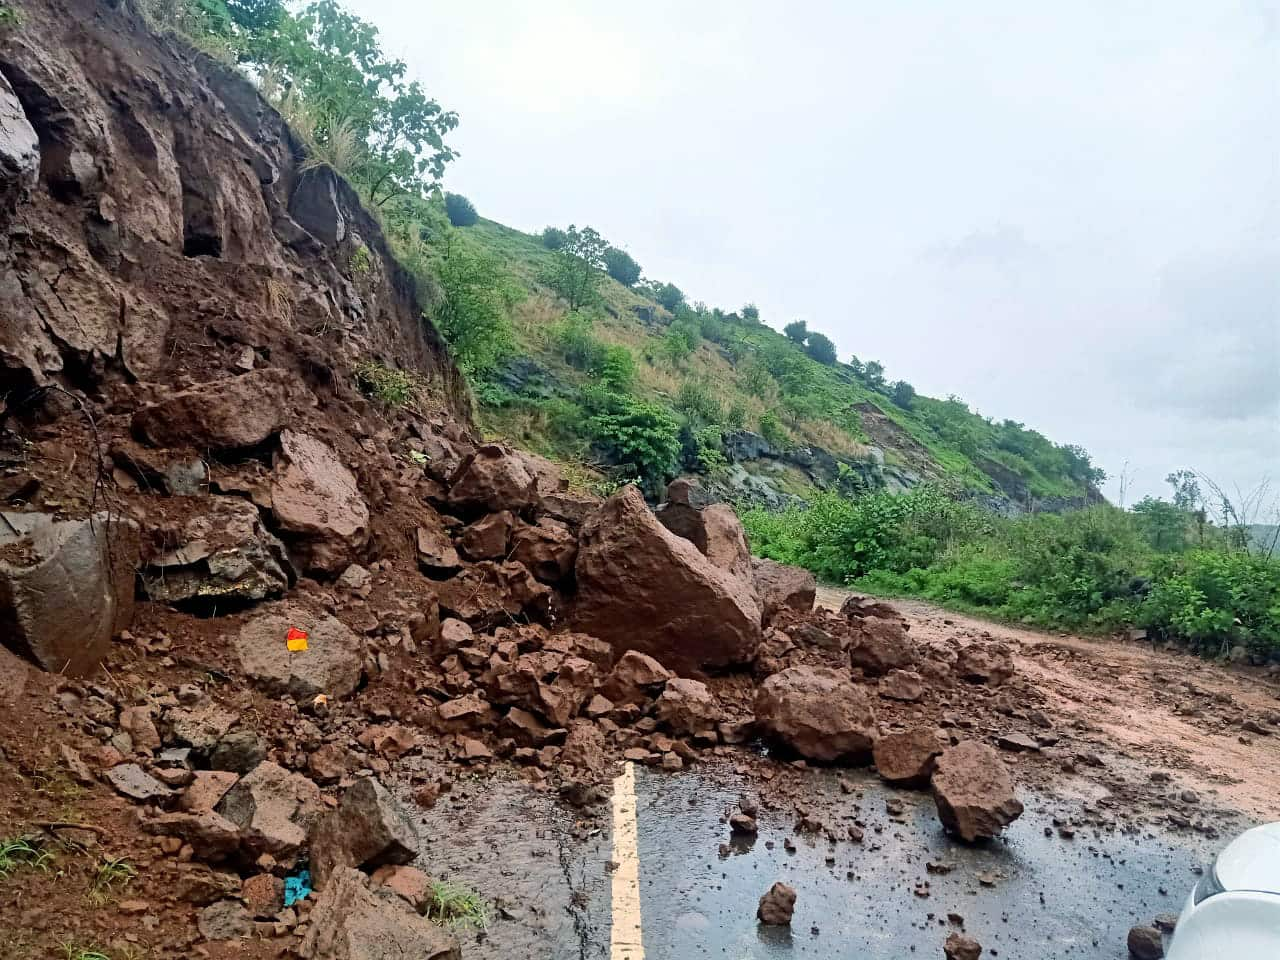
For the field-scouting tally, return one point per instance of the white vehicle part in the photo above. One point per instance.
(1236, 925)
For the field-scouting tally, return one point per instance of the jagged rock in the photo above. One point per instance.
(641, 587)
(554, 685)
(225, 414)
(224, 920)
(547, 549)
(368, 829)
(527, 730)
(1016, 742)
(315, 498)
(781, 586)
(904, 685)
(273, 810)
(66, 587)
(224, 553)
(818, 713)
(974, 792)
(328, 764)
(132, 781)
(584, 748)
(178, 473)
(572, 507)
(688, 708)
(206, 790)
(493, 478)
(688, 492)
(715, 530)
(238, 752)
(19, 149)
(857, 607)
(351, 922)
(315, 206)
(454, 635)
(212, 837)
(1144, 943)
(138, 723)
(906, 759)
(199, 727)
(331, 664)
(991, 664)
(489, 538)
(436, 553)
(263, 895)
(960, 947)
(408, 883)
(880, 645)
(486, 594)
(777, 906)
(635, 679)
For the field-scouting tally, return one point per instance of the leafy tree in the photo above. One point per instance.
(873, 374)
(473, 312)
(751, 313)
(1163, 524)
(642, 436)
(903, 394)
(668, 295)
(462, 213)
(680, 341)
(620, 265)
(553, 238)
(697, 400)
(797, 331)
(1186, 490)
(575, 273)
(820, 348)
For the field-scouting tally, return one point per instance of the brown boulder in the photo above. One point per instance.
(818, 713)
(369, 828)
(640, 587)
(856, 607)
(66, 587)
(331, 664)
(904, 685)
(781, 586)
(408, 883)
(547, 549)
(715, 530)
(489, 538)
(880, 645)
(584, 748)
(571, 506)
(688, 708)
(315, 498)
(634, 679)
(223, 414)
(212, 837)
(974, 792)
(436, 553)
(493, 478)
(351, 922)
(777, 906)
(906, 759)
(273, 810)
(486, 594)
(1145, 943)
(991, 664)
(960, 947)
(554, 685)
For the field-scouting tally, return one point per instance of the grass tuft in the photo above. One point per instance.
(18, 852)
(452, 904)
(112, 874)
(387, 385)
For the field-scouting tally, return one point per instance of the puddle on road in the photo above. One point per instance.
(1052, 898)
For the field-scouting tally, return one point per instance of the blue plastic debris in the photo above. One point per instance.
(297, 887)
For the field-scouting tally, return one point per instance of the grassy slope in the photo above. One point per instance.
(839, 428)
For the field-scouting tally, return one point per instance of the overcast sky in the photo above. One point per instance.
(1067, 214)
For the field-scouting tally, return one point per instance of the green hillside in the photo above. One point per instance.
(716, 372)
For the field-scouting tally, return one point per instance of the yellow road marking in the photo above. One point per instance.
(625, 939)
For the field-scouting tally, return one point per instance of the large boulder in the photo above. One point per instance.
(688, 708)
(486, 594)
(548, 549)
(66, 587)
(223, 553)
(226, 414)
(351, 922)
(881, 645)
(906, 759)
(640, 587)
(818, 713)
(974, 792)
(991, 664)
(331, 664)
(493, 478)
(273, 809)
(635, 679)
(715, 530)
(315, 498)
(489, 538)
(368, 829)
(781, 586)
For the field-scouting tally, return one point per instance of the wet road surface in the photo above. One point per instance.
(1026, 895)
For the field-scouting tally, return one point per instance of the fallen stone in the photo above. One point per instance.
(328, 764)
(66, 587)
(238, 752)
(856, 607)
(368, 829)
(715, 530)
(273, 809)
(635, 679)
(225, 414)
(1017, 743)
(436, 553)
(777, 906)
(489, 538)
(984, 663)
(584, 748)
(211, 836)
(408, 883)
(1145, 943)
(487, 594)
(642, 588)
(263, 895)
(904, 685)
(743, 824)
(906, 759)
(315, 498)
(974, 792)
(131, 781)
(224, 920)
(688, 708)
(818, 713)
(960, 947)
(780, 586)
(199, 728)
(548, 549)
(880, 645)
(331, 664)
(493, 478)
(206, 790)
(571, 506)
(351, 922)
(137, 722)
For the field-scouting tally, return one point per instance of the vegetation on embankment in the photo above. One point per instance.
(1161, 566)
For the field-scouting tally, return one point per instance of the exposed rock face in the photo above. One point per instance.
(225, 552)
(316, 498)
(368, 829)
(493, 478)
(906, 759)
(226, 414)
(640, 587)
(818, 713)
(331, 664)
(688, 708)
(19, 149)
(273, 810)
(991, 664)
(352, 922)
(780, 585)
(777, 906)
(974, 792)
(66, 587)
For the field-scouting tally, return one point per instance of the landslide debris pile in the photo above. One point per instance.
(311, 594)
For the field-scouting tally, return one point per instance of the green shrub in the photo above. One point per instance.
(709, 443)
(1216, 599)
(387, 385)
(698, 401)
(758, 381)
(820, 348)
(640, 436)
(751, 313)
(735, 418)
(461, 212)
(553, 238)
(579, 346)
(797, 331)
(621, 266)
(477, 296)
(773, 431)
(618, 369)
(680, 341)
